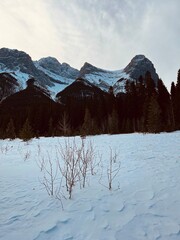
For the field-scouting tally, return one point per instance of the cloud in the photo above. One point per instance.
(102, 29)
(26, 25)
(105, 33)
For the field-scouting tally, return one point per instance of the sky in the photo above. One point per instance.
(105, 33)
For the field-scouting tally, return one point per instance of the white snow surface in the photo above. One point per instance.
(23, 77)
(104, 79)
(17, 74)
(143, 204)
(59, 86)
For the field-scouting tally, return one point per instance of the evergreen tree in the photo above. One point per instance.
(50, 128)
(173, 103)
(10, 130)
(131, 106)
(89, 126)
(26, 133)
(154, 120)
(165, 106)
(177, 101)
(178, 78)
(150, 85)
(141, 97)
(64, 126)
(113, 123)
(175, 98)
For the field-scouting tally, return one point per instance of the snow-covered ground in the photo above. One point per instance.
(143, 204)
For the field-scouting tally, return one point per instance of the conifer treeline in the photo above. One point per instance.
(143, 108)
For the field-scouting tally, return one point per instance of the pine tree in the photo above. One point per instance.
(150, 85)
(26, 133)
(113, 124)
(178, 78)
(177, 101)
(165, 106)
(50, 128)
(141, 97)
(153, 118)
(64, 126)
(10, 130)
(173, 97)
(88, 126)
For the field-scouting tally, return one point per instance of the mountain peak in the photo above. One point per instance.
(86, 64)
(139, 65)
(88, 68)
(21, 64)
(48, 60)
(50, 63)
(50, 66)
(11, 56)
(139, 57)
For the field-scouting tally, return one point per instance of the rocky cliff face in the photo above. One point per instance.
(100, 77)
(51, 74)
(51, 65)
(87, 68)
(103, 79)
(138, 66)
(8, 85)
(47, 72)
(20, 63)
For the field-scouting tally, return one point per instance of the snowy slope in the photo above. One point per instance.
(104, 78)
(46, 71)
(60, 82)
(62, 74)
(52, 65)
(19, 62)
(137, 67)
(51, 74)
(144, 202)
(17, 74)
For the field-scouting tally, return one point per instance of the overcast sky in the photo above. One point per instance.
(105, 33)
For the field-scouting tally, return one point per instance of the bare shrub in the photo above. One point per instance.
(87, 155)
(4, 149)
(112, 170)
(51, 178)
(27, 155)
(49, 170)
(70, 155)
(77, 161)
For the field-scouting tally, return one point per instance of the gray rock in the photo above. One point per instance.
(53, 65)
(13, 60)
(139, 65)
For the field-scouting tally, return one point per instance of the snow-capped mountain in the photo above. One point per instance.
(54, 76)
(62, 74)
(138, 66)
(20, 65)
(52, 65)
(102, 78)
(48, 72)
(8, 85)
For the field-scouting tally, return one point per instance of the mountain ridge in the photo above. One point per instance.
(54, 76)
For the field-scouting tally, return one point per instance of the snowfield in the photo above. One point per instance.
(144, 202)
